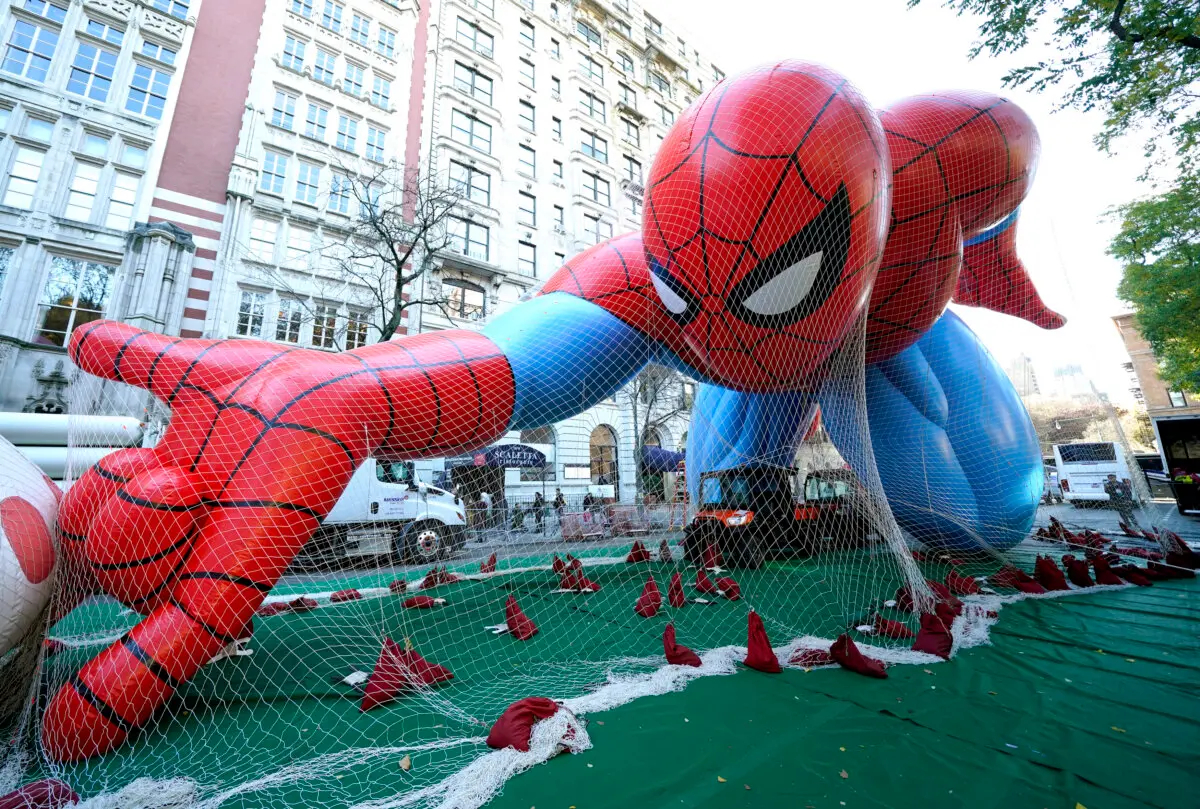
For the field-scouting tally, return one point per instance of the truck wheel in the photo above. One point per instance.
(325, 551)
(422, 542)
(747, 552)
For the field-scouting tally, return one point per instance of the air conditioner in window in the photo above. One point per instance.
(560, 229)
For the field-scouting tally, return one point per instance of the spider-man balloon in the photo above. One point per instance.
(767, 216)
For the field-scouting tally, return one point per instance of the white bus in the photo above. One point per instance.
(1083, 469)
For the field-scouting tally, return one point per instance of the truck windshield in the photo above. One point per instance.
(394, 472)
(745, 491)
(816, 488)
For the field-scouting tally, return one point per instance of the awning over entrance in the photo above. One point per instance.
(502, 456)
(657, 459)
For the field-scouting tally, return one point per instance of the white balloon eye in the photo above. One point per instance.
(787, 289)
(674, 303)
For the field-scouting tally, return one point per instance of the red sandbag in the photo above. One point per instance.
(904, 600)
(675, 595)
(1172, 572)
(302, 604)
(729, 588)
(759, 654)
(396, 670)
(918, 556)
(1133, 575)
(345, 595)
(489, 566)
(419, 603)
(664, 552)
(650, 601)
(1104, 574)
(712, 556)
(558, 566)
(704, 584)
(1078, 572)
(811, 658)
(934, 637)
(398, 586)
(52, 646)
(520, 626)
(891, 629)
(272, 608)
(438, 576)
(1048, 574)
(1011, 577)
(677, 654)
(48, 793)
(943, 595)
(637, 553)
(584, 584)
(848, 656)
(515, 725)
(961, 585)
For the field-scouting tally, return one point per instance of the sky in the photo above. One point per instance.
(890, 51)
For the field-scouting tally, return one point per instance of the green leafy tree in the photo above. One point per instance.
(1137, 62)
(1159, 244)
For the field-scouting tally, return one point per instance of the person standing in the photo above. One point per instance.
(560, 502)
(539, 511)
(1120, 494)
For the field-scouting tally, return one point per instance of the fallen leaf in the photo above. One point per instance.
(927, 671)
(685, 719)
(599, 723)
(1080, 806)
(842, 749)
(747, 786)
(406, 763)
(720, 780)
(1117, 729)
(844, 774)
(1099, 651)
(589, 766)
(1130, 660)
(993, 693)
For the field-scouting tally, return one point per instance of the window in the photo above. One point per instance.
(299, 246)
(339, 194)
(665, 115)
(558, 170)
(468, 238)
(555, 87)
(293, 54)
(121, 201)
(30, 49)
(160, 52)
(682, 46)
(106, 31)
(596, 188)
(324, 66)
(287, 322)
(263, 233)
(633, 170)
(592, 69)
(635, 207)
(6, 254)
(473, 83)
(176, 8)
(587, 32)
(250, 313)
(630, 132)
(356, 329)
(360, 29)
(347, 133)
(488, 7)
(527, 34)
(659, 82)
(381, 92)
(626, 63)
(55, 12)
(82, 196)
(623, 28)
(555, 49)
(308, 182)
(274, 173)
(464, 299)
(133, 155)
(331, 16)
(94, 145)
(557, 128)
(628, 96)
(23, 177)
(526, 210)
(471, 183)
(653, 26)
(385, 45)
(591, 104)
(594, 146)
(526, 258)
(76, 293)
(528, 76)
(284, 113)
(1177, 398)
(92, 72)
(471, 131)
(560, 219)
(597, 229)
(717, 75)
(324, 328)
(527, 160)
(315, 121)
(148, 91)
(304, 8)
(475, 38)
(375, 142)
(525, 114)
(353, 81)
(560, 259)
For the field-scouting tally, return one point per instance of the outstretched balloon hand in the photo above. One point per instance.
(262, 441)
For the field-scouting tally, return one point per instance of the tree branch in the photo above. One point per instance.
(1122, 33)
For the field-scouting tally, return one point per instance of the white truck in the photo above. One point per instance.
(1084, 467)
(388, 511)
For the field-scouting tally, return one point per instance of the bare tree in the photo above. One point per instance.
(653, 398)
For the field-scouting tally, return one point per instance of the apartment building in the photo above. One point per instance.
(87, 93)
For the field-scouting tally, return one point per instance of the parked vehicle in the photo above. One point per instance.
(1051, 489)
(388, 511)
(1083, 469)
(754, 513)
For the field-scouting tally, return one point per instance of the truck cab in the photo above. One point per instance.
(753, 513)
(388, 511)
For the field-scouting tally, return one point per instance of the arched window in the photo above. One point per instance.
(603, 453)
